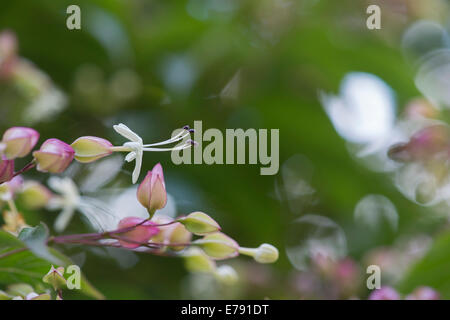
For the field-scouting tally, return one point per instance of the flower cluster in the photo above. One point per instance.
(196, 237)
(54, 155)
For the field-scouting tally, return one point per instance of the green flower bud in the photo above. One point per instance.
(179, 234)
(196, 260)
(34, 195)
(265, 253)
(89, 149)
(218, 246)
(199, 223)
(55, 277)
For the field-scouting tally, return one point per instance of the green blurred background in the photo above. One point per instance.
(158, 65)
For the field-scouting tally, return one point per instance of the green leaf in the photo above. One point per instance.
(36, 240)
(431, 270)
(20, 264)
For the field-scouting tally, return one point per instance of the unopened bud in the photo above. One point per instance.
(89, 149)
(140, 233)
(151, 192)
(6, 169)
(218, 246)
(19, 141)
(54, 156)
(34, 195)
(199, 223)
(55, 277)
(180, 235)
(265, 253)
(196, 260)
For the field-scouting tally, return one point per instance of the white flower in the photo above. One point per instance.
(136, 147)
(68, 200)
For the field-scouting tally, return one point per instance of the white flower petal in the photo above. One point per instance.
(137, 168)
(130, 157)
(126, 132)
(64, 218)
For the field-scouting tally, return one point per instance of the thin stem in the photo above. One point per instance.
(104, 235)
(152, 249)
(247, 251)
(120, 149)
(12, 206)
(29, 166)
(92, 239)
(152, 244)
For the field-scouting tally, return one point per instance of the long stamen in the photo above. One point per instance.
(178, 137)
(188, 144)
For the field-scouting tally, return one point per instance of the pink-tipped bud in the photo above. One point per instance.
(19, 141)
(9, 189)
(54, 156)
(15, 184)
(152, 191)
(6, 169)
(140, 232)
(89, 149)
(384, 293)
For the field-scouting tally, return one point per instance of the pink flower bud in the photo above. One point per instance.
(152, 191)
(384, 293)
(6, 169)
(139, 234)
(423, 293)
(425, 144)
(15, 184)
(54, 156)
(8, 53)
(19, 141)
(9, 189)
(8, 44)
(89, 149)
